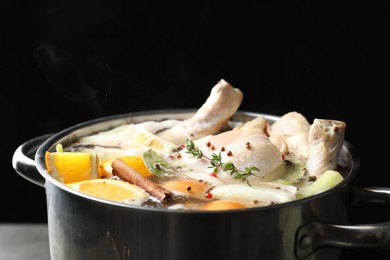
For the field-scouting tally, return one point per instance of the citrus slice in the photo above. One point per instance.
(190, 188)
(147, 139)
(72, 166)
(135, 162)
(111, 189)
(222, 205)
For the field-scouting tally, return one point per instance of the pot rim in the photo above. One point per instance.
(77, 130)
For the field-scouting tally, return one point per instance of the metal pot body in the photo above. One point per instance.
(81, 228)
(84, 227)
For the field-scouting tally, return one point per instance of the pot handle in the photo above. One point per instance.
(318, 235)
(23, 160)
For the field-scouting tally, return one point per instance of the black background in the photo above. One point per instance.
(65, 62)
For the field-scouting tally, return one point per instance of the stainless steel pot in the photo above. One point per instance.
(84, 227)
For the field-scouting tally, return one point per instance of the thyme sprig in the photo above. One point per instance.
(217, 163)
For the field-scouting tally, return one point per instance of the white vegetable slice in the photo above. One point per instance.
(259, 193)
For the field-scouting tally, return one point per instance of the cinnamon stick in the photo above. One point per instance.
(129, 174)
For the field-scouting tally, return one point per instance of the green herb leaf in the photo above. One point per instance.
(191, 149)
(156, 164)
(216, 163)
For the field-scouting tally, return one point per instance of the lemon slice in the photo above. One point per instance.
(135, 162)
(111, 189)
(72, 166)
(149, 140)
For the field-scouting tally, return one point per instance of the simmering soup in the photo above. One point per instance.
(208, 161)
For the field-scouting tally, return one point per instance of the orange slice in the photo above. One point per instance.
(190, 188)
(72, 166)
(221, 205)
(134, 161)
(111, 189)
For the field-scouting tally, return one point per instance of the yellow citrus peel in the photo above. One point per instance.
(72, 166)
